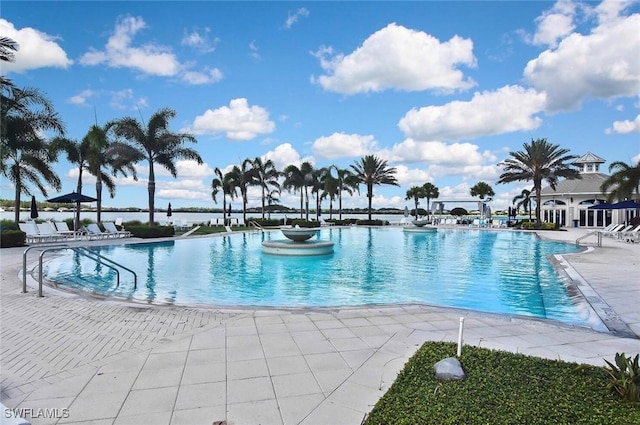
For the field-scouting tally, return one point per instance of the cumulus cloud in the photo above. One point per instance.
(555, 24)
(292, 18)
(398, 58)
(510, 108)
(35, 49)
(150, 58)
(597, 64)
(283, 155)
(411, 151)
(238, 121)
(625, 127)
(189, 168)
(126, 100)
(341, 145)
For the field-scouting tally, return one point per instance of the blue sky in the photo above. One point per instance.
(442, 90)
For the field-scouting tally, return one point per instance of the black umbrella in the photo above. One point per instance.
(70, 198)
(34, 207)
(458, 211)
(625, 205)
(169, 212)
(601, 206)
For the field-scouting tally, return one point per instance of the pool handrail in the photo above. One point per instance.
(109, 263)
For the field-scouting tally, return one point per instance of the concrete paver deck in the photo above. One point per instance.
(95, 361)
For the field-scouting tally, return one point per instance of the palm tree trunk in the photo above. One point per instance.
(99, 197)
(340, 205)
(16, 203)
(263, 198)
(78, 191)
(370, 196)
(151, 187)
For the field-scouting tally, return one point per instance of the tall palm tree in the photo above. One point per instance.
(430, 192)
(329, 188)
(347, 182)
(222, 183)
(523, 201)
(416, 193)
(266, 177)
(105, 156)
(299, 179)
(540, 161)
(25, 155)
(241, 178)
(317, 187)
(156, 144)
(371, 170)
(625, 181)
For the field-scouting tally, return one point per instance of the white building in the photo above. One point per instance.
(569, 203)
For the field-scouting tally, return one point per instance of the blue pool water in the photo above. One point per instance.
(491, 271)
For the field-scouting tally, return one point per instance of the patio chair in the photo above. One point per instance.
(63, 229)
(631, 236)
(30, 228)
(94, 231)
(110, 227)
(47, 229)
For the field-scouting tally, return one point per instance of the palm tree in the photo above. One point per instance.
(317, 186)
(222, 182)
(482, 190)
(329, 188)
(539, 161)
(106, 155)
(299, 179)
(523, 200)
(625, 180)
(416, 193)
(156, 144)
(25, 156)
(347, 182)
(430, 192)
(266, 177)
(241, 178)
(371, 170)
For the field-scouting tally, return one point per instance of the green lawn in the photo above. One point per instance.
(501, 388)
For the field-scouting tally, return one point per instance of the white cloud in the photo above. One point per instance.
(82, 98)
(238, 121)
(510, 108)
(125, 100)
(189, 168)
(150, 58)
(283, 155)
(599, 64)
(292, 18)
(398, 58)
(209, 76)
(555, 24)
(625, 127)
(254, 52)
(411, 151)
(341, 145)
(200, 40)
(35, 49)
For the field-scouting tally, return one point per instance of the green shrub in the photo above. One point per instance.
(372, 222)
(11, 237)
(147, 232)
(625, 377)
(501, 388)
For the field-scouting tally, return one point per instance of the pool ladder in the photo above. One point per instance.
(79, 250)
(255, 226)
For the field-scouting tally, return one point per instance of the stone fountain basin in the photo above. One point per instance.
(299, 234)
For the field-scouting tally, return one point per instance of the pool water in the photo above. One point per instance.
(491, 271)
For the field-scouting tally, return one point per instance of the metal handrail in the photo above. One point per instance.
(97, 257)
(255, 224)
(80, 250)
(24, 262)
(598, 233)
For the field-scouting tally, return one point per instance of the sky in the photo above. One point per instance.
(442, 90)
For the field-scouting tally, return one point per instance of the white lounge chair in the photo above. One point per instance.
(612, 231)
(94, 231)
(631, 236)
(326, 223)
(111, 228)
(47, 229)
(63, 229)
(30, 228)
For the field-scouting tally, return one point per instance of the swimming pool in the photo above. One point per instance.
(492, 271)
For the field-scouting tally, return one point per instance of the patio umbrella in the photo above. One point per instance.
(169, 212)
(71, 198)
(625, 205)
(34, 207)
(458, 211)
(601, 206)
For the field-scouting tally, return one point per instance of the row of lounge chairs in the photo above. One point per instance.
(49, 231)
(628, 233)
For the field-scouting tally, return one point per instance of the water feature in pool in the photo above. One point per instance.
(492, 271)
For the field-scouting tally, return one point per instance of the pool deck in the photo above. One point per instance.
(96, 361)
